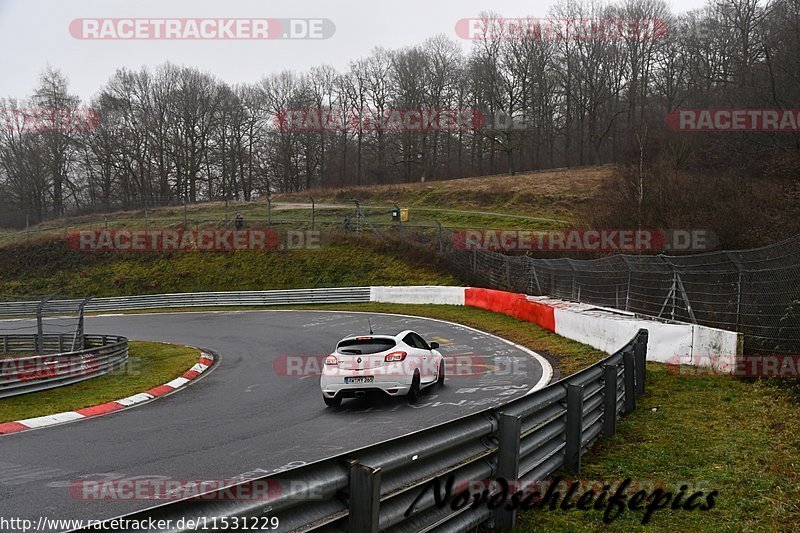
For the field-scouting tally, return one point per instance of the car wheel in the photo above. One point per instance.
(333, 402)
(440, 380)
(414, 391)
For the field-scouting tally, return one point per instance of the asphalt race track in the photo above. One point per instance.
(243, 418)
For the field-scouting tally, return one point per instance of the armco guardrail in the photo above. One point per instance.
(199, 299)
(389, 486)
(21, 375)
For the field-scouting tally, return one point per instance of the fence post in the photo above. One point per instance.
(535, 277)
(739, 300)
(640, 352)
(39, 326)
(630, 380)
(365, 498)
(78, 340)
(628, 291)
(184, 213)
(574, 433)
(440, 236)
(508, 465)
(574, 281)
(5, 343)
(609, 400)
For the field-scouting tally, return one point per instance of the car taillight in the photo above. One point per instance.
(395, 357)
(331, 360)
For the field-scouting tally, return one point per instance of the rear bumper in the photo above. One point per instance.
(333, 386)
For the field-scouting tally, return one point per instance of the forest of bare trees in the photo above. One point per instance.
(173, 132)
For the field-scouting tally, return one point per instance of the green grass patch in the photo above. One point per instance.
(711, 433)
(150, 364)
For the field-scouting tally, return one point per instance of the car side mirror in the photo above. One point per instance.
(434, 345)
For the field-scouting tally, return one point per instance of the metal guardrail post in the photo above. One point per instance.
(365, 498)
(39, 326)
(509, 433)
(628, 366)
(574, 433)
(609, 400)
(79, 331)
(640, 353)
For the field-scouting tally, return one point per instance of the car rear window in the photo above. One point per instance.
(365, 346)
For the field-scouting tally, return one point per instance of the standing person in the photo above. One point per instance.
(239, 222)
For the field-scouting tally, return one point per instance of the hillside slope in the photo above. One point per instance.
(562, 193)
(50, 267)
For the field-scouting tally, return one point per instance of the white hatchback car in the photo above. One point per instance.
(398, 365)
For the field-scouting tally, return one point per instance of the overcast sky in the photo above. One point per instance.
(34, 33)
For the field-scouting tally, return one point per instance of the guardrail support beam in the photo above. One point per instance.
(365, 498)
(609, 400)
(509, 433)
(628, 363)
(574, 433)
(640, 353)
(39, 326)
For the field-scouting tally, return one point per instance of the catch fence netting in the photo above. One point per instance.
(755, 292)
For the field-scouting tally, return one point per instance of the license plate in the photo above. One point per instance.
(361, 379)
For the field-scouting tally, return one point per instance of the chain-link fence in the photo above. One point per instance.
(755, 292)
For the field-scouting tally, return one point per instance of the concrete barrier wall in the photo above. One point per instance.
(418, 295)
(606, 332)
(602, 328)
(509, 303)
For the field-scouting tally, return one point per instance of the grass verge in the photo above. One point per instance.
(711, 433)
(150, 364)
